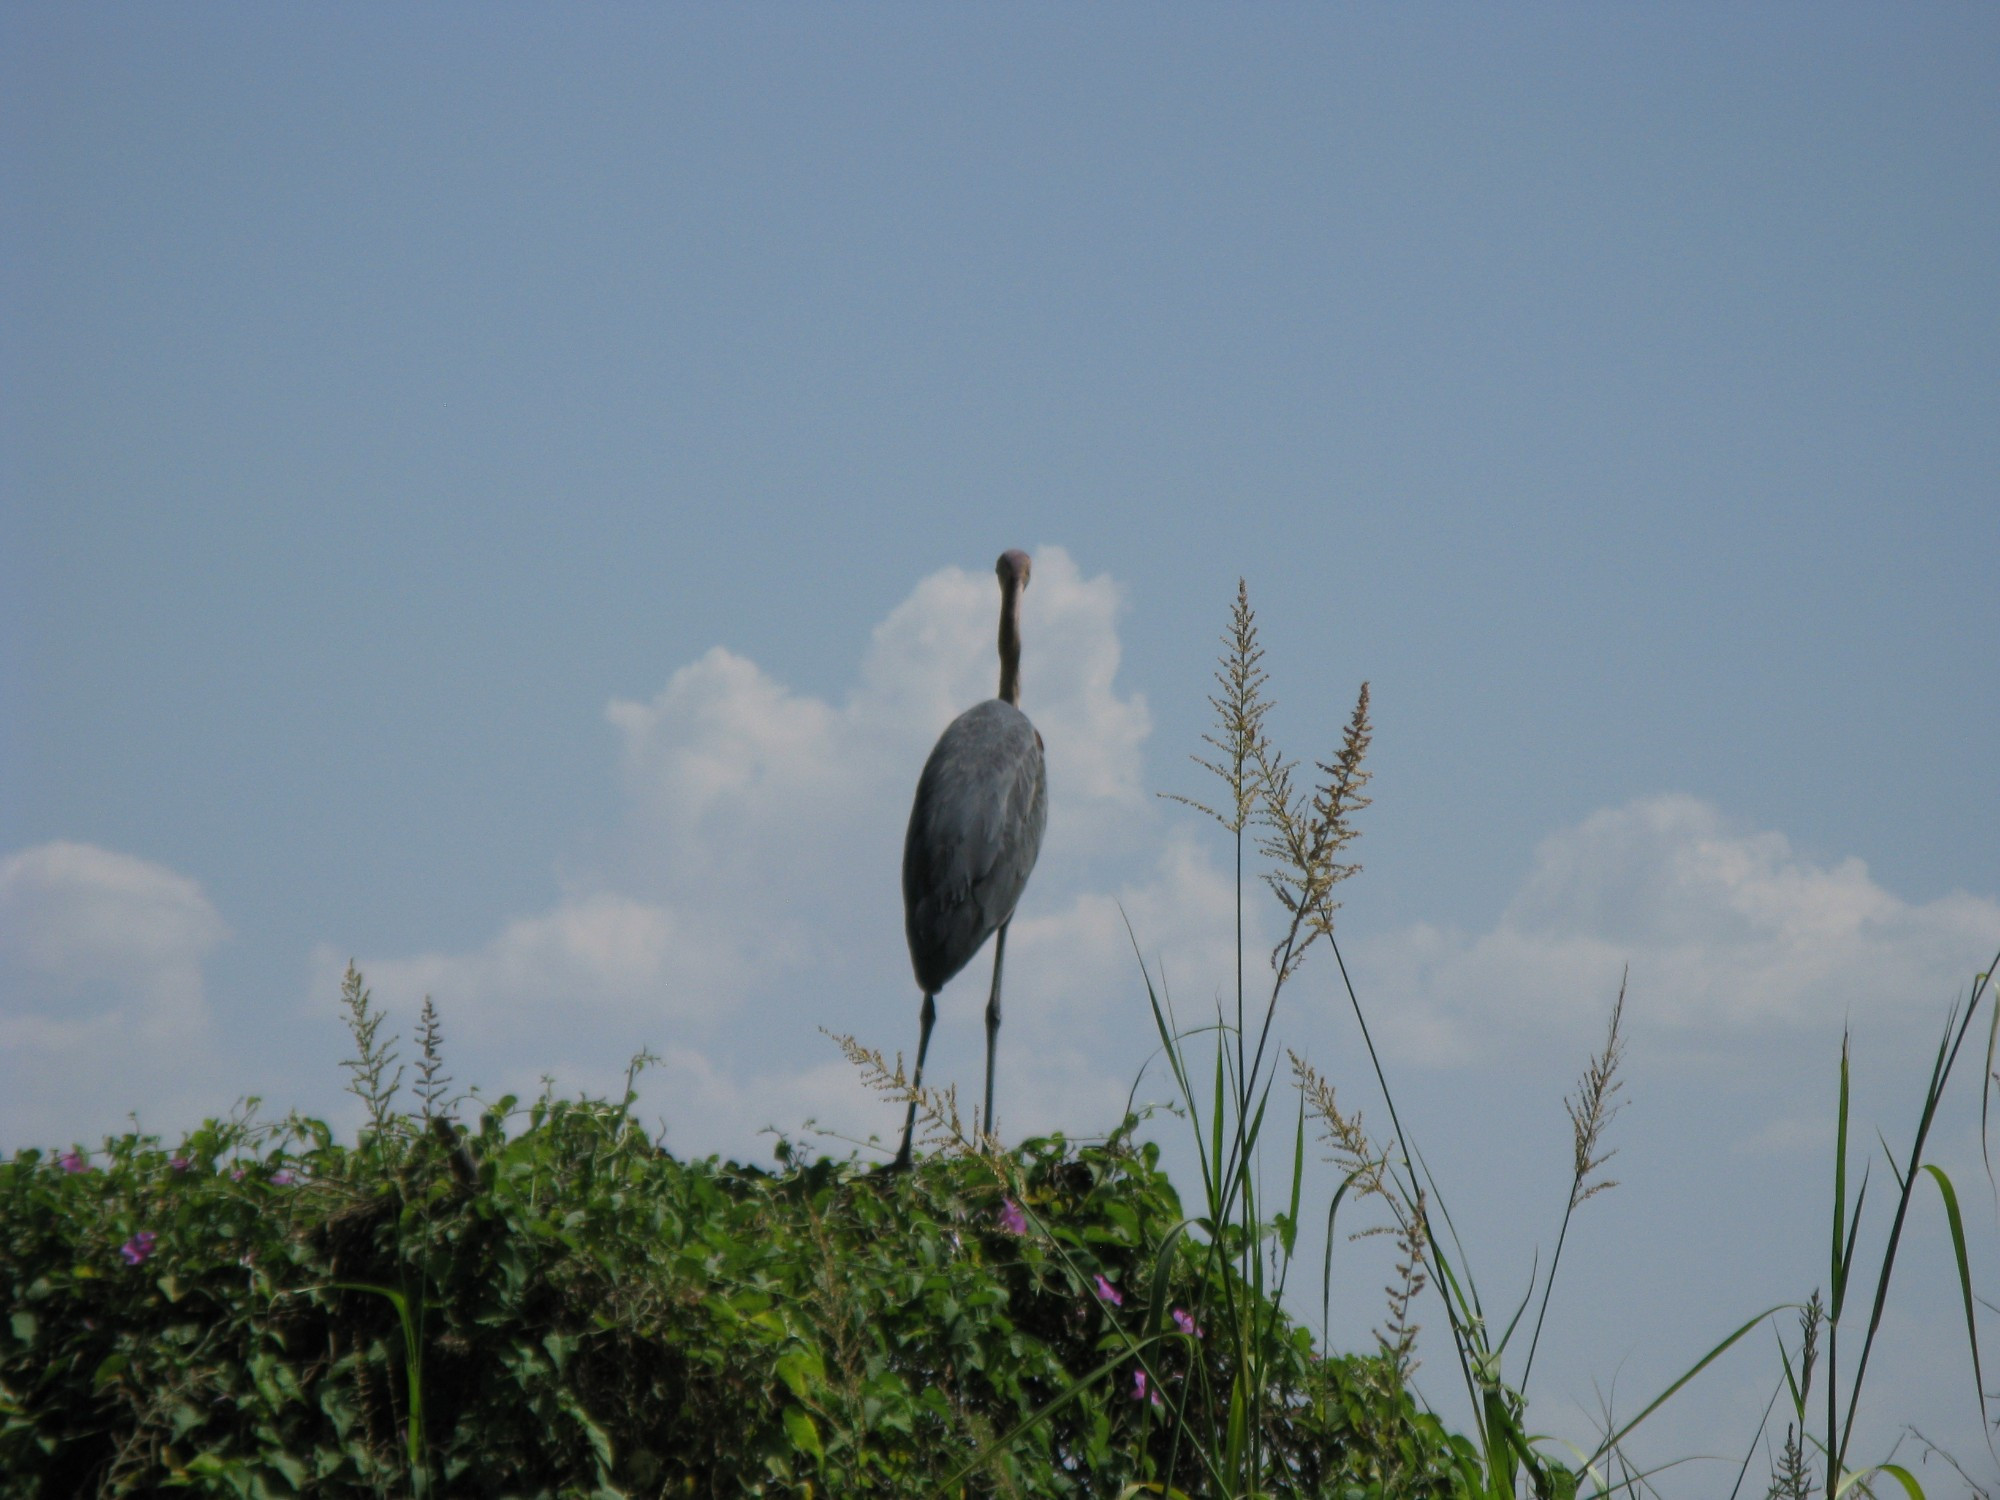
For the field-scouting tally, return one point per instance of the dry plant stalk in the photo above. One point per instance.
(1356, 1156)
(1366, 1167)
(1239, 715)
(432, 1080)
(1791, 1474)
(1593, 1106)
(943, 1128)
(1591, 1109)
(1307, 833)
(1304, 832)
(1399, 1340)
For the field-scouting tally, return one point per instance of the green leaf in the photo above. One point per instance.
(1840, 1262)
(1896, 1472)
(1291, 1217)
(290, 1467)
(1693, 1370)
(804, 1434)
(1964, 1277)
(801, 1370)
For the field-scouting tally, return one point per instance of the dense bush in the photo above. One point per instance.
(564, 1309)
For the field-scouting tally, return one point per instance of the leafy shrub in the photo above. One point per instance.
(568, 1310)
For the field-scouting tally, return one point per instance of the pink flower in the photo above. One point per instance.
(180, 1164)
(138, 1248)
(1011, 1218)
(1140, 1391)
(1185, 1323)
(284, 1177)
(71, 1161)
(235, 1174)
(1109, 1292)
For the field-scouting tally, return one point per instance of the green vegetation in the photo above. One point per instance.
(564, 1309)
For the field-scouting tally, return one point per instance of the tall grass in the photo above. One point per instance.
(1302, 834)
(1816, 1458)
(1302, 837)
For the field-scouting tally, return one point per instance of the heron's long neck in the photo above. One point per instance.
(1010, 645)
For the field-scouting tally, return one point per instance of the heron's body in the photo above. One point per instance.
(975, 829)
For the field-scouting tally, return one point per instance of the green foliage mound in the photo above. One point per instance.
(563, 1308)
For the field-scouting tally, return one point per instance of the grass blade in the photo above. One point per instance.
(413, 1377)
(1986, 1087)
(1291, 1231)
(1964, 1276)
(1854, 1228)
(1215, 1125)
(1326, 1270)
(1163, 1267)
(1840, 1192)
(1896, 1472)
(1693, 1370)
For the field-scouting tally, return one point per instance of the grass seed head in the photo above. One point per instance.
(1240, 707)
(1593, 1106)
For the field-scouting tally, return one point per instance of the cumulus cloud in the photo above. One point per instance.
(729, 769)
(751, 895)
(621, 957)
(1727, 931)
(102, 999)
(750, 898)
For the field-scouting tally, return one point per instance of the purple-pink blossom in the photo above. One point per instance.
(1184, 1321)
(284, 1177)
(1109, 1292)
(1011, 1218)
(72, 1161)
(180, 1164)
(139, 1247)
(1140, 1390)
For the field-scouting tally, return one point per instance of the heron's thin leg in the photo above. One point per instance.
(917, 1080)
(993, 1019)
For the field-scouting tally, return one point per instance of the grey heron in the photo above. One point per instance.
(975, 829)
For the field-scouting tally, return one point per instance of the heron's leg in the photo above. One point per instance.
(917, 1080)
(993, 1019)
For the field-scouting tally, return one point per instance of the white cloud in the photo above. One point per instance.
(1727, 930)
(102, 1000)
(730, 771)
(753, 894)
(617, 957)
(123, 936)
(752, 899)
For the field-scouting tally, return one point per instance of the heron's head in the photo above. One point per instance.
(1013, 569)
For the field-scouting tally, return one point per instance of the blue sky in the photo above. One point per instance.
(509, 496)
